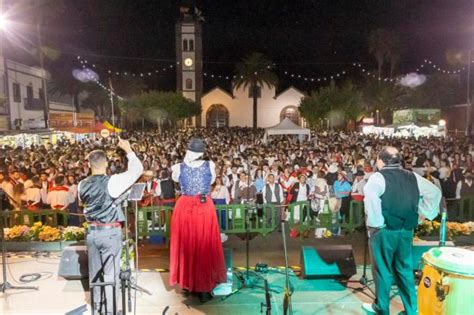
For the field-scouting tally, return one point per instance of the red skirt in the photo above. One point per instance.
(196, 253)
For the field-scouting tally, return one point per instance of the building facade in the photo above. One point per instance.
(189, 56)
(222, 109)
(23, 103)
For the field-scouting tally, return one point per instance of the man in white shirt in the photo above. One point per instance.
(394, 200)
(59, 196)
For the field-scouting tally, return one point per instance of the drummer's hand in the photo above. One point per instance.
(124, 145)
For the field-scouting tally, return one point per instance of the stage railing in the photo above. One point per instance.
(302, 218)
(29, 217)
(466, 209)
(153, 221)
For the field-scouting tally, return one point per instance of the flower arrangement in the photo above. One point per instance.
(73, 233)
(452, 228)
(43, 233)
(49, 234)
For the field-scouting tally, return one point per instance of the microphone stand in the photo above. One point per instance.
(6, 285)
(442, 230)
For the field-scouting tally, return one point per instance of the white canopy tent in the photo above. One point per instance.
(286, 127)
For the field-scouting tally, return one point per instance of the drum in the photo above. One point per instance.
(447, 282)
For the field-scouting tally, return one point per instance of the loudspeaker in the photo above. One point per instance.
(74, 263)
(327, 261)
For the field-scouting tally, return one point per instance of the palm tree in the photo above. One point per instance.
(379, 47)
(254, 72)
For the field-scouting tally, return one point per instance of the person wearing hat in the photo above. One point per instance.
(342, 191)
(196, 253)
(394, 201)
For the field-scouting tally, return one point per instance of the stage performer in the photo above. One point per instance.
(101, 196)
(196, 254)
(395, 201)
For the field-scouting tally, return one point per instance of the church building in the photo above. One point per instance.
(221, 108)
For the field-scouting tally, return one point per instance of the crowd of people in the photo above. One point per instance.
(331, 166)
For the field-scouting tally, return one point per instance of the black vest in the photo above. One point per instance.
(167, 189)
(400, 199)
(268, 193)
(99, 206)
(466, 190)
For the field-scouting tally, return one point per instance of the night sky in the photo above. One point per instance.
(308, 37)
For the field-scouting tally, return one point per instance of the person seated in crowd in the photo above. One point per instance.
(465, 187)
(59, 196)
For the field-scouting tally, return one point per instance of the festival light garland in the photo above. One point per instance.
(170, 67)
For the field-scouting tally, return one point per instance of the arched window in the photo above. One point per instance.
(292, 113)
(217, 116)
(189, 84)
(191, 45)
(185, 45)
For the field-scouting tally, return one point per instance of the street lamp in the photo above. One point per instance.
(3, 22)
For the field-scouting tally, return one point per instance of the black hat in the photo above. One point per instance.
(196, 145)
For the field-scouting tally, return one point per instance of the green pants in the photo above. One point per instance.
(391, 252)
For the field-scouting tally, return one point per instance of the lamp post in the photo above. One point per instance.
(4, 76)
(377, 113)
(468, 97)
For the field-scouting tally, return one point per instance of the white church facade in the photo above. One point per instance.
(222, 109)
(219, 108)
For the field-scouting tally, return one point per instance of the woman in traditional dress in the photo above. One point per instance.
(196, 253)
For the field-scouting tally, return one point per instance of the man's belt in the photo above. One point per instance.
(103, 226)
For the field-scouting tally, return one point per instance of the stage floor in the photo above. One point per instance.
(59, 296)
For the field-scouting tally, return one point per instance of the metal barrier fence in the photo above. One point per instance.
(29, 217)
(303, 219)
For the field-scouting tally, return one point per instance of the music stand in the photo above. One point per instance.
(136, 194)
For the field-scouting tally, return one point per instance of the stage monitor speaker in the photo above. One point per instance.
(421, 247)
(74, 263)
(327, 261)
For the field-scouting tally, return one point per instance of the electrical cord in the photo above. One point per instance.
(30, 277)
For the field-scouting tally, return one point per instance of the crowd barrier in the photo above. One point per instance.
(264, 219)
(29, 217)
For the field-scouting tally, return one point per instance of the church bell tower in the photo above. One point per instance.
(189, 55)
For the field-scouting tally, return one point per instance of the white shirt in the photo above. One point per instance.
(302, 193)
(193, 160)
(221, 192)
(60, 198)
(32, 195)
(430, 197)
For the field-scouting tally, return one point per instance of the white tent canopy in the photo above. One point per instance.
(286, 127)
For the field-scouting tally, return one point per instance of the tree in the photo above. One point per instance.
(339, 105)
(98, 99)
(438, 91)
(157, 106)
(254, 72)
(384, 97)
(379, 47)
